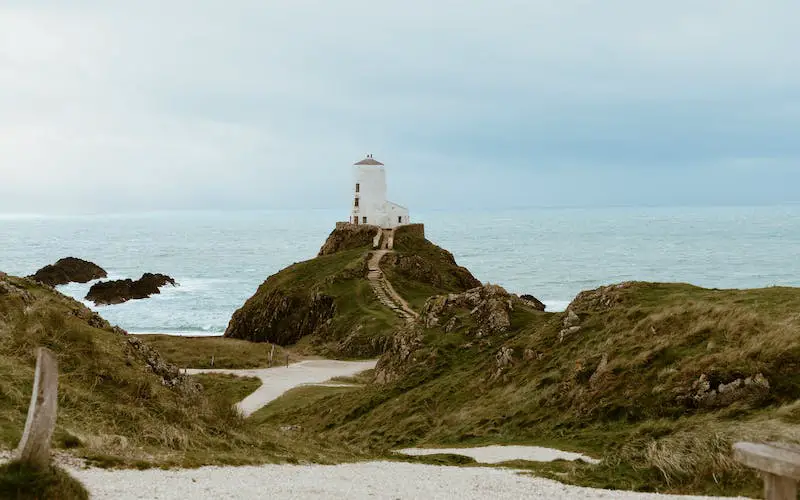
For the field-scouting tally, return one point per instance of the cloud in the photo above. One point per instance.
(112, 106)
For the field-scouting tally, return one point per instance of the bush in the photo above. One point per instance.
(19, 481)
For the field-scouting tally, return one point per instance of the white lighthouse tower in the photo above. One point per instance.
(370, 205)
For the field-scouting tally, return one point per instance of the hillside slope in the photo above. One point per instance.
(657, 379)
(119, 402)
(328, 304)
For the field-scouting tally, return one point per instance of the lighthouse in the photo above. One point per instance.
(370, 205)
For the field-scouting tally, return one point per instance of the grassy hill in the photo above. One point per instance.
(657, 379)
(327, 305)
(119, 402)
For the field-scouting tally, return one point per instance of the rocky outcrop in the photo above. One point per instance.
(119, 291)
(282, 316)
(489, 308)
(349, 237)
(170, 374)
(531, 301)
(571, 324)
(706, 395)
(69, 270)
(400, 357)
(601, 299)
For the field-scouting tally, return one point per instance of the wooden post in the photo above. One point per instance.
(212, 361)
(34, 447)
(779, 463)
(271, 354)
(287, 361)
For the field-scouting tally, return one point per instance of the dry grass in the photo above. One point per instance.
(196, 352)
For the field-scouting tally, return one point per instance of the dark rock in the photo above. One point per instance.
(750, 389)
(119, 291)
(349, 237)
(533, 302)
(69, 270)
(170, 374)
(281, 317)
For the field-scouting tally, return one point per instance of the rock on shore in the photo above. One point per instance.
(69, 270)
(119, 291)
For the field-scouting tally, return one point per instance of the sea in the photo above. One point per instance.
(219, 258)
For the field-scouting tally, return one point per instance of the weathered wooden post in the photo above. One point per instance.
(271, 355)
(779, 463)
(34, 447)
(212, 361)
(287, 361)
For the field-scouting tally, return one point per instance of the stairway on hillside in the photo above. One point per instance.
(383, 289)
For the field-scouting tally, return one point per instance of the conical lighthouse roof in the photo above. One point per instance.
(369, 160)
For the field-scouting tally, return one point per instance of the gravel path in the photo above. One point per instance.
(373, 480)
(275, 381)
(498, 454)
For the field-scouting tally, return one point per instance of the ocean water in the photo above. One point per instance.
(220, 258)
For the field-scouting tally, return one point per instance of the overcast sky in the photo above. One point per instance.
(109, 106)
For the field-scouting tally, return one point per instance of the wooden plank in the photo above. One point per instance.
(779, 488)
(782, 460)
(34, 447)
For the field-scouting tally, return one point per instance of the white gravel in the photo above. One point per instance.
(373, 480)
(498, 454)
(275, 381)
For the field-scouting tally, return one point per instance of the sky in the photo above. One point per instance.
(117, 106)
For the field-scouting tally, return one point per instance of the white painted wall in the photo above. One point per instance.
(369, 188)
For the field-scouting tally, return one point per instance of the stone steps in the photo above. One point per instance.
(384, 291)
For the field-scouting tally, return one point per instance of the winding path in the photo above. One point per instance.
(275, 381)
(383, 288)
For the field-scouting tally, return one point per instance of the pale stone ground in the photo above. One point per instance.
(277, 380)
(499, 454)
(372, 480)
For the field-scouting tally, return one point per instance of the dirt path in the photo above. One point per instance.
(384, 290)
(275, 381)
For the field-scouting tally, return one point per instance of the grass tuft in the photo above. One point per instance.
(22, 482)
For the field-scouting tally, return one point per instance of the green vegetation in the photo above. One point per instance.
(196, 352)
(227, 388)
(326, 306)
(113, 409)
(627, 387)
(20, 482)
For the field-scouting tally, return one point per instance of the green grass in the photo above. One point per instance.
(196, 352)
(227, 388)
(658, 340)
(21, 482)
(113, 410)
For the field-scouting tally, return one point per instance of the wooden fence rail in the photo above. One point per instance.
(779, 463)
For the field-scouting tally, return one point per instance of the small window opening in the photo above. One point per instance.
(364, 220)
(356, 202)
(400, 220)
(358, 188)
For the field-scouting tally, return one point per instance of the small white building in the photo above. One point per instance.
(370, 205)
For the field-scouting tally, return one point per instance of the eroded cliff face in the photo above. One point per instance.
(282, 316)
(349, 237)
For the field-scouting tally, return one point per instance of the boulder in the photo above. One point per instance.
(490, 307)
(119, 291)
(69, 270)
(531, 301)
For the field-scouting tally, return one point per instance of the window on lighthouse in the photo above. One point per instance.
(358, 188)
(356, 202)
